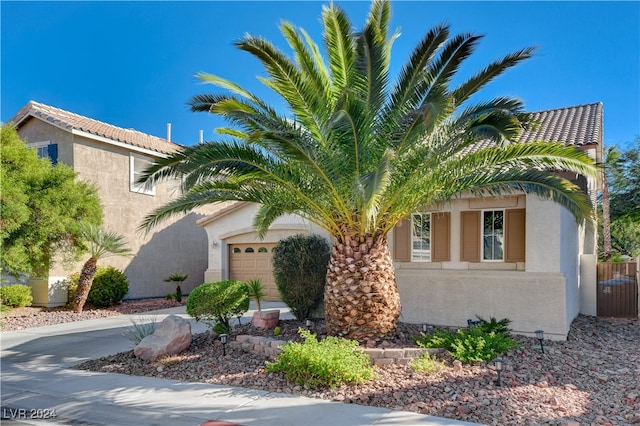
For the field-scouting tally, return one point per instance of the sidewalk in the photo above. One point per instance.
(36, 382)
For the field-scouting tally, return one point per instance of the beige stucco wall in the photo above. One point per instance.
(176, 245)
(448, 297)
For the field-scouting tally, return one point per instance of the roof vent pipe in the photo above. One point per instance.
(201, 137)
(169, 132)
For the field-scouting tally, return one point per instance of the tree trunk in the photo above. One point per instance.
(361, 296)
(606, 218)
(87, 274)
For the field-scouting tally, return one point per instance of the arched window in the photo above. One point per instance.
(249, 250)
(263, 250)
(237, 250)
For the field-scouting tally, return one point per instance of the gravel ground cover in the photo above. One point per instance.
(591, 379)
(22, 318)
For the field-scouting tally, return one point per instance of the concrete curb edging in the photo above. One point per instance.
(270, 347)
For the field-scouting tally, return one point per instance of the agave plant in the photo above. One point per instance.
(357, 151)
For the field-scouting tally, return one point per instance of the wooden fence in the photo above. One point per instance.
(618, 290)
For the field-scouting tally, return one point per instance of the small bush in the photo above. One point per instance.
(300, 270)
(500, 327)
(71, 283)
(109, 287)
(16, 295)
(217, 302)
(427, 364)
(474, 344)
(331, 362)
(141, 328)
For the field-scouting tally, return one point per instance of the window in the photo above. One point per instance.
(424, 237)
(138, 165)
(493, 235)
(46, 149)
(421, 237)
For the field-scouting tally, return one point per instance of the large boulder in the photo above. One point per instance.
(172, 336)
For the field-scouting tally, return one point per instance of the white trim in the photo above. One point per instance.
(133, 187)
(504, 235)
(125, 145)
(413, 259)
(38, 144)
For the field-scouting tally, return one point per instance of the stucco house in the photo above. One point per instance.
(112, 158)
(517, 257)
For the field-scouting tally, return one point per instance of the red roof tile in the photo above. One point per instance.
(71, 121)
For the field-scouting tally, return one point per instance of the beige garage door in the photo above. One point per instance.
(253, 260)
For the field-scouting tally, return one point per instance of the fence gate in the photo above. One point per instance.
(618, 290)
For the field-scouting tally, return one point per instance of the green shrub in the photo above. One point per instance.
(109, 287)
(71, 283)
(474, 344)
(331, 362)
(500, 327)
(217, 302)
(300, 270)
(427, 364)
(16, 295)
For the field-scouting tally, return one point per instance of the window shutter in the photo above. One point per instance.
(402, 241)
(515, 232)
(52, 153)
(440, 231)
(470, 236)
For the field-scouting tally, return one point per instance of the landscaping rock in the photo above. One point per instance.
(172, 336)
(266, 319)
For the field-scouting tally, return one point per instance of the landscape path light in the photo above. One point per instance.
(308, 323)
(424, 327)
(499, 363)
(540, 337)
(223, 340)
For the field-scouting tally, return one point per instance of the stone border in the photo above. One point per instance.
(270, 347)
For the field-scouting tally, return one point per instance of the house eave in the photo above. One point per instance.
(221, 213)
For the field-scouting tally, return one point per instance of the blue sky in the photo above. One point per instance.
(132, 64)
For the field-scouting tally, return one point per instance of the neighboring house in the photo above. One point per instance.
(112, 158)
(517, 257)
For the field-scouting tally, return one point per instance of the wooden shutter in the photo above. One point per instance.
(402, 241)
(470, 236)
(52, 153)
(515, 231)
(440, 239)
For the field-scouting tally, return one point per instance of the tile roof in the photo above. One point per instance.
(71, 121)
(576, 125)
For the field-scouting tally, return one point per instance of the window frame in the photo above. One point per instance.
(413, 258)
(40, 145)
(133, 175)
(482, 235)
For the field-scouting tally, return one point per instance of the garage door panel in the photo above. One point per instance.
(250, 261)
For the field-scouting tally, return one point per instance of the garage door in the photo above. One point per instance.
(253, 260)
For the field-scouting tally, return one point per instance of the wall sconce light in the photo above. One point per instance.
(214, 243)
(499, 363)
(223, 340)
(540, 337)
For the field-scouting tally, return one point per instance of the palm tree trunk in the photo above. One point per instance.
(361, 296)
(87, 274)
(606, 218)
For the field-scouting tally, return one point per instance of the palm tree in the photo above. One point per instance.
(356, 154)
(611, 159)
(101, 244)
